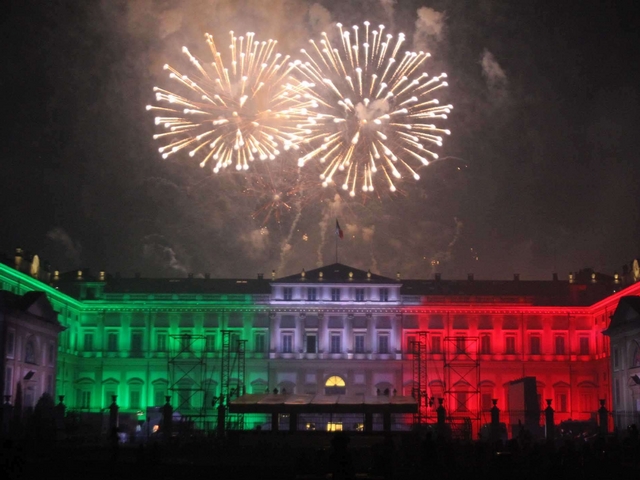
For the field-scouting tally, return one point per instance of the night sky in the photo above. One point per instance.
(540, 174)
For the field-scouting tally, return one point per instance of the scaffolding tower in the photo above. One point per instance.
(418, 349)
(187, 372)
(232, 376)
(462, 388)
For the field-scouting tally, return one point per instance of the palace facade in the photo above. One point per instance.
(334, 330)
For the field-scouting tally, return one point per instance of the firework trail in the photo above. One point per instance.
(368, 109)
(286, 243)
(229, 114)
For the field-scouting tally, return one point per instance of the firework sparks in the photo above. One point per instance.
(370, 109)
(229, 114)
(278, 189)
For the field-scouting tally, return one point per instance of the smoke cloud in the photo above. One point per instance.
(494, 75)
(430, 27)
(72, 249)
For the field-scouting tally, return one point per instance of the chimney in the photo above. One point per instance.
(555, 277)
(438, 277)
(260, 276)
(470, 277)
(516, 277)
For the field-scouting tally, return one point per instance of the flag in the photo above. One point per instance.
(339, 232)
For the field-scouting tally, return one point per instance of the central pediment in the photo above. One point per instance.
(336, 273)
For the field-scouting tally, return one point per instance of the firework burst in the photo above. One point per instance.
(229, 115)
(370, 109)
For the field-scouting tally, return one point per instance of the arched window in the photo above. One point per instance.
(335, 386)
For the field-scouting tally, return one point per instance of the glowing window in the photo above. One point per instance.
(335, 386)
(334, 427)
(335, 381)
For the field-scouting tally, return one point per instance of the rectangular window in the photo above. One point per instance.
(461, 345)
(412, 346)
(312, 343)
(359, 342)
(588, 402)
(436, 344)
(134, 399)
(383, 343)
(560, 348)
(584, 345)
(161, 342)
(136, 344)
(287, 342)
(384, 294)
(616, 358)
(359, 294)
(288, 293)
(234, 341)
(616, 392)
(49, 385)
(461, 401)
(85, 399)
(485, 344)
(335, 294)
(112, 341)
(312, 294)
(11, 342)
(8, 381)
(210, 342)
(259, 346)
(561, 402)
(510, 345)
(108, 396)
(534, 344)
(158, 397)
(88, 342)
(335, 343)
(51, 354)
(486, 402)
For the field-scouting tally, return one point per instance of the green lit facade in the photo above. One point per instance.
(130, 345)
